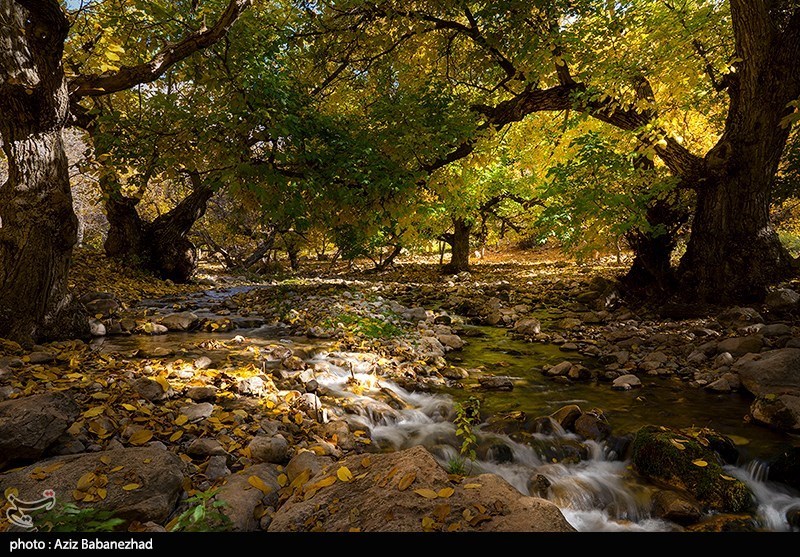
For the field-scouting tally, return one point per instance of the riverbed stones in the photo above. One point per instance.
(242, 501)
(736, 317)
(779, 411)
(217, 468)
(739, 346)
(773, 372)
(203, 446)
(496, 383)
(676, 507)
(592, 426)
(103, 304)
(566, 416)
(181, 322)
(30, 425)
(273, 449)
(157, 473)
(197, 412)
(453, 342)
(201, 394)
(679, 459)
(559, 369)
(252, 386)
(528, 326)
(306, 461)
(782, 299)
(363, 503)
(578, 372)
(149, 389)
(626, 382)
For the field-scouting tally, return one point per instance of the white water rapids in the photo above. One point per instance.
(598, 493)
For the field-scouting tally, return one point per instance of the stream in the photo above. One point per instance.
(599, 492)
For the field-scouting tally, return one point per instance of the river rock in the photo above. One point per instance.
(100, 303)
(253, 386)
(453, 342)
(775, 330)
(197, 412)
(657, 455)
(726, 383)
(739, 317)
(149, 389)
(293, 363)
(200, 394)
(726, 523)
(159, 474)
(528, 327)
(785, 467)
(40, 357)
(242, 500)
(626, 382)
(430, 347)
(723, 359)
(363, 503)
(273, 449)
(566, 416)
(580, 373)
(782, 299)
(203, 446)
(777, 411)
(415, 314)
(569, 323)
(96, 328)
(217, 468)
(184, 321)
(203, 362)
(739, 346)
(559, 369)
(776, 371)
(306, 461)
(496, 383)
(676, 507)
(30, 425)
(592, 426)
(454, 372)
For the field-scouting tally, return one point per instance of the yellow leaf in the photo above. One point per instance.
(366, 461)
(677, 445)
(10, 491)
(472, 486)
(259, 484)
(86, 481)
(78, 495)
(113, 56)
(105, 459)
(92, 412)
(102, 492)
(344, 474)
(354, 529)
(427, 493)
(115, 469)
(131, 487)
(283, 479)
(298, 418)
(700, 463)
(324, 482)
(446, 492)
(163, 382)
(729, 478)
(182, 419)
(301, 479)
(177, 435)
(406, 481)
(427, 522)
(141, 437)
(55, 466)
(454, 526)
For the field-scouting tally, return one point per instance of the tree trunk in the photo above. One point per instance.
(733, 253)
(459, 259)
(127, 232)
(38, 227)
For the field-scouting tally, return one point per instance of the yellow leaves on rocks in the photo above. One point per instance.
(141, 437)
(344, 474)
(259, 484)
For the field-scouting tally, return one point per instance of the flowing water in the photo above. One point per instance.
(599, 492)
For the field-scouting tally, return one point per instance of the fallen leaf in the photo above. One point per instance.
(454, 527)
(92, 412)
(344, 474)
(700, 463)
(472, 486)
(366, 461)
(259, 484)
(283, 479)
(131, 487)
(9, 491)
(441, 512)
(406, 481)
(427, 523)
(86, 481)
(446, 492)
(177, 435)
(182, 419)
(116, 469)
(163, 382)
(141, 437)
(729, 478)
(677, 445)
(102, 492)
(427, 493)
(105, 459)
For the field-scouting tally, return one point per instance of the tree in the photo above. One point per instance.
(39, 228)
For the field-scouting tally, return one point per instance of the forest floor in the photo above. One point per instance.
(265, 392)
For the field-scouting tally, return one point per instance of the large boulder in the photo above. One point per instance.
(773, 372)
(29, 425)
(141, 483)
(782, 299)
(777, 411)
(739, 317)
(408, 491)
(739, 346)
(529, 326)
(684, 460)
(102, 304)
(247, 494)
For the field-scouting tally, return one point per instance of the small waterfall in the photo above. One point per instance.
(774, 501)
(758, 470)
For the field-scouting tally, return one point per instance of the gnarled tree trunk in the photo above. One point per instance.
(459, 244)
(38, 227)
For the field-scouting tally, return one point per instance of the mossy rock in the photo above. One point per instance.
(684, 459)
(726, 523)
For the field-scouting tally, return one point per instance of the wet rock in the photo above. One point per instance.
(678, 459)
(567, 415)
(430, 347)
(203, 446)
(253, 386)
(739, 346)
(151, 328)
(203, 362)
(269, 449)
(725, 384)
(528, 327)
(724, 359)
(362, 503)
(776, 371)
(544, 425)
(415, 314)
(580, 373)
(200, 394)
(726, 523)
(785, 467)
(184, 321)
(242, 499)
(592, 426)
(496, 383)
(538, 485)
(499, 453)
(569, 323)
(306, 461)
(40, 358)
(626, 382)
(100, 303)
(739, 317)
(793, 517)
(453, 342)
(293, 363)
(149, 389)
(158, 473)
(30, 425)
(217, 468)
(454, 372)
(569, 347)
(559, 369)
(777, 411)
(96, 328)
(676, 507)
(775, 330)
(197, 412)
(443, 319)
(782, 299)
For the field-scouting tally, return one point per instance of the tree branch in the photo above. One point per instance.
(129, 76)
